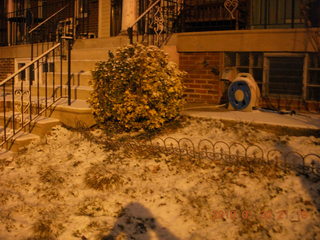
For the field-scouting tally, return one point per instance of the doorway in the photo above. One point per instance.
(116, 17)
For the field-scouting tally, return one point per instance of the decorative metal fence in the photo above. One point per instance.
(234, 153)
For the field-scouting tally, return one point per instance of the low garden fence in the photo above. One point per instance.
(236, 154)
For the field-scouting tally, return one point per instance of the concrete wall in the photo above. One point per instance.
(104, 18)
(266, 40)
(20, 51)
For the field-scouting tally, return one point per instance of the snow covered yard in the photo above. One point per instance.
(75, 185)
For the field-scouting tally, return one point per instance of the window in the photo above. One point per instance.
(48, 67)
(25, 75)
(285, 75)
(280, 74)
(22, 75)
(42, 9)
(83, 8)
(246, 62)
(313, 82)
(276, 14)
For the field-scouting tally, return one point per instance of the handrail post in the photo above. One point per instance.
(69, 69)
(292, 13)
(130, 34)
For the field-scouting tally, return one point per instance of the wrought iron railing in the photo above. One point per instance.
(44, 23)
(29, 92)
(284, 14)
(213, 15)
(155, 25)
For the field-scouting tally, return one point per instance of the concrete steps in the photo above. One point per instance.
(107, 43)
(85, 54)
(79, 110)
(77, 91)
(81, 78)
(38, 128)
(19, 141)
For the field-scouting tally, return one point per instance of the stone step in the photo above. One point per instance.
(82, 65)
(111, 42)
(77, 92)
(69, 115)
(97, 54)
(6, 155)
(19, 141)
(39, 125)
(77, 78)
(78, 113)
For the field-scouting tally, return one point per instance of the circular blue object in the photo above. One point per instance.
(245, 89)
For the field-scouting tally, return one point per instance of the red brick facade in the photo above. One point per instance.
(6, 67)
(284, 103)
(202, 81)
(203, 85)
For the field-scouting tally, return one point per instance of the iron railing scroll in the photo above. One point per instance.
(156, 24)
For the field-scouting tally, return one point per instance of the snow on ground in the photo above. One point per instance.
(197, 129)
(73, 185)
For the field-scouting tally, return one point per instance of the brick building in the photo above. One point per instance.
(277, 41)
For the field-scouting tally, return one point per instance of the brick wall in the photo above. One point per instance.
(6, 67)
(285, 103)
(202, 85)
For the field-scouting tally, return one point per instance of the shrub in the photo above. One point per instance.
(102, 177)
(137, 88)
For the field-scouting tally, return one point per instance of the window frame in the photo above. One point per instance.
(266, 70)
(264, 83)
(308, 69)
(250, 66)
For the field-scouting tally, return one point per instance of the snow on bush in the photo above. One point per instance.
(101, 177)
(137, 88)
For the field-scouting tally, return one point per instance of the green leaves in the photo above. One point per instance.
(136, 88)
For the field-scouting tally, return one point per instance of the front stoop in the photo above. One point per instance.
(78, 114)
(85, 54)
(37, 129)
(21, 141)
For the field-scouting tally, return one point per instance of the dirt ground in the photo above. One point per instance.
(75, 185)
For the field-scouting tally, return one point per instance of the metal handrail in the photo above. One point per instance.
(48, 18)
(144, 13)
(30, 109)
(156, 24)
(29, 64)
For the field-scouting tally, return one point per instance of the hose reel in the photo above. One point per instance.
(243, 93)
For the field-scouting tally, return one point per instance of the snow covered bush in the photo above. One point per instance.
(136, 88)
(101, 177)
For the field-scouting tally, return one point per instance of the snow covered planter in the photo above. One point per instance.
(137, 88)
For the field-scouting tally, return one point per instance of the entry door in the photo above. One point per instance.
(116, 17)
